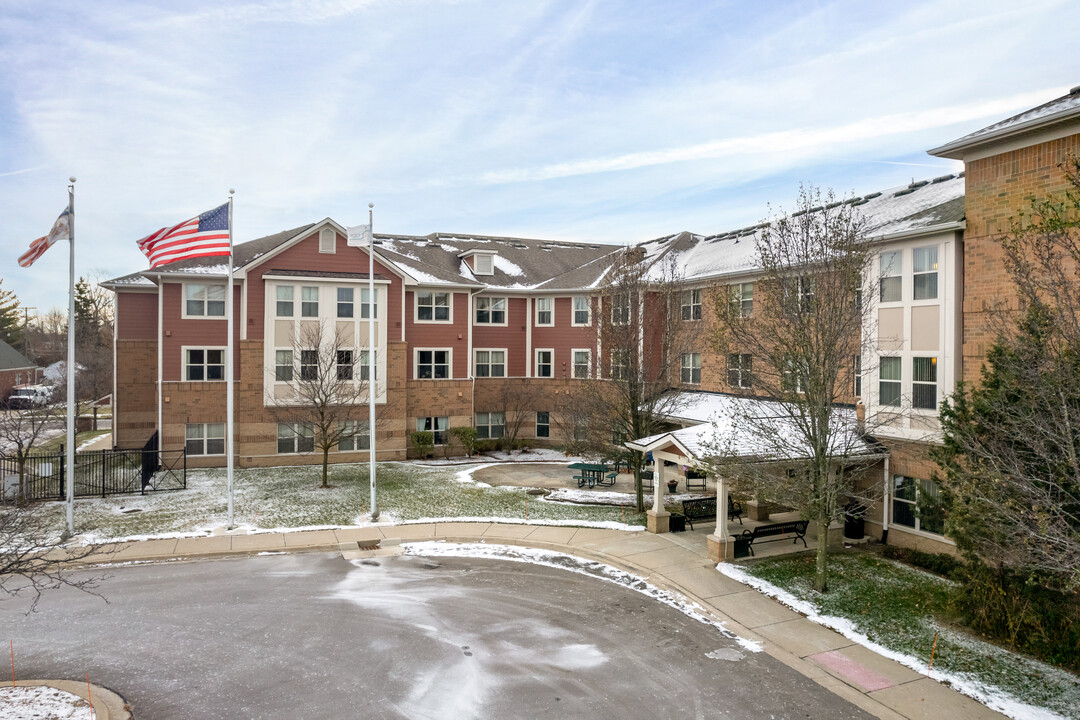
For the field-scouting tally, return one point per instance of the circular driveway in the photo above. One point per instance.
(316, 636)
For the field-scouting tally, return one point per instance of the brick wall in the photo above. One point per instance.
(135, 402)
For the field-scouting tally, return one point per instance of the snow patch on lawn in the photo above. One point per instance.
(601, 524)
(41, 703)
(563, 561)
(600, 497)
(992, 697)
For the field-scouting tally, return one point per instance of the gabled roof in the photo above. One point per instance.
(1059, 110)
(12, 359)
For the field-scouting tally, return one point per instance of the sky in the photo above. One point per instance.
(609, 121)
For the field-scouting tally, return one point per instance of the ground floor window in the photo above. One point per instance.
(490, 425)
(437, 426)
(917, 504)
(354, 436)
(295, 438)
(205, 439)
(543, 424)
(581, 429)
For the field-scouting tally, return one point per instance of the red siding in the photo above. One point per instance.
(305, 255)
(136, 316)
(511, 336)
(180, 332)
(439, 335)
(564, 338)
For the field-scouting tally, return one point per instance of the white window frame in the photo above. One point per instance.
(358, 439)
(894, 269)
(345, 368)
(624, 309)
(185, 364)
(489, 363)
(301, 432)
(433, 421)
(619, 371)
(483, 264)
(434, 293)
(743, 297)
(204, 438)
(935, 384)
(305, 302)
(278, 365)
(363, 366)
(350, 303)
(327, 248)
(744, 372)
(550, 311)
(492, 308)
(366, 306)
(694, 365)
(546, 425)
(856, 386)
(205, 300)
(449, 363)
(920, 488)
(691, 305)
(916, 274)
(574, 310)
(550, 364)
(898, 382)
(574, 363)
(278, 300)
(489, 426)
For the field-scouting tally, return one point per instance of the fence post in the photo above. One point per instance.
(103, 459)
(63, 476)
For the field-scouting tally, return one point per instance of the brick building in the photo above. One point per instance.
(463, 322)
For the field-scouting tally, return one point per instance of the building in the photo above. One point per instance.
(468, 326)
(15, 369)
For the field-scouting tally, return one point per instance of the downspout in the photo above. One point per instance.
(160, 379)
(885, 507)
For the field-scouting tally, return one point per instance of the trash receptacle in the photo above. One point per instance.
(677, 522)
(742, 546)
(854, 522)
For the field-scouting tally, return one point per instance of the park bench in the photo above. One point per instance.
(775, 531)
(705, 509)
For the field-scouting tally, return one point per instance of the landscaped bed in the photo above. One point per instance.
(901, 608)
(290, 497)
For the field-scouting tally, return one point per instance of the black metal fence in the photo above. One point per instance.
(97, 473)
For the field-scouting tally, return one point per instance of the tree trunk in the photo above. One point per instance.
(821, 583)
(325, 462)
(640, 495)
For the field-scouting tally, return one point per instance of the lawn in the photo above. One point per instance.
(290, 497)
(901, 608)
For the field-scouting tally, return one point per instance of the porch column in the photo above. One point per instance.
(657, 519)
(721, 546)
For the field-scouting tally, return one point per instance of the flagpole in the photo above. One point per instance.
(372, 305)
(229, 369)
(71, 364)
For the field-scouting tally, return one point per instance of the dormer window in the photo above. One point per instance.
(327, 240)
(481, 262)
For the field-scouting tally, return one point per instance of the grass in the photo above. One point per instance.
(902, 608)
(290, 497)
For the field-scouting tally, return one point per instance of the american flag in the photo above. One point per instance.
(202, 236)
(61, 230)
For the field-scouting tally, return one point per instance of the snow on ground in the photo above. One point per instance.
(599, 497)
(562, 561)
(990, 696)
(600, 524)
(536, 455)
(41, 703)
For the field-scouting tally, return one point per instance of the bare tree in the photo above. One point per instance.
(93, 340)
(326, 399)
(20, 433)
(1011, 452)
(628, 395)
(797, 347)
(33, 561)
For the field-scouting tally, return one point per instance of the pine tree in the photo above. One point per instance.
(11, 330)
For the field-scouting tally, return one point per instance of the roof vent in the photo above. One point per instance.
(1075, 90)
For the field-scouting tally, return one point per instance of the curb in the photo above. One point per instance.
(107, 705)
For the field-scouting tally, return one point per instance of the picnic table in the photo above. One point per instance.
(593, 474)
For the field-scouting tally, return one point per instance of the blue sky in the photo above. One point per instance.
(600, 121)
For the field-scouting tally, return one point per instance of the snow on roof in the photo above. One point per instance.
(1048, 113)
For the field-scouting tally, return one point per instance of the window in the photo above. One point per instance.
(545, 361)
(740, 370)
(344, 365)
(857, 382)
(581, 429)
(437, 426)
(283, 365)
(916, 504)
(205, 439)
(545, 313)
(743, 298)
(490, 311)
(620, 368)
(309, 302)
(295, 438)
(543, 424)
(309, 364)
(691, 305)
(620, 309)
(806, 294)
(354, 436)
(204, 300)
(483, 264)
(924, 383)
(432, 306)
(327, 240)
(691, 368)
(490, 426)
(795, 373)
(365, 366)
(924, 272)
(889, 379)
(582, 311)
(344, 302)
(433, 364)
(490, 363)
(582, 363)
(369, 311)
(284, 300)
(204, 364)
(892, 281)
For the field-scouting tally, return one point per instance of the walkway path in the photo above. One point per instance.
(671, 561)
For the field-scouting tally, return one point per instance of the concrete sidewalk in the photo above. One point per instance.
(876, 684)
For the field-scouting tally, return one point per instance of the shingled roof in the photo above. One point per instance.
(12, 359)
